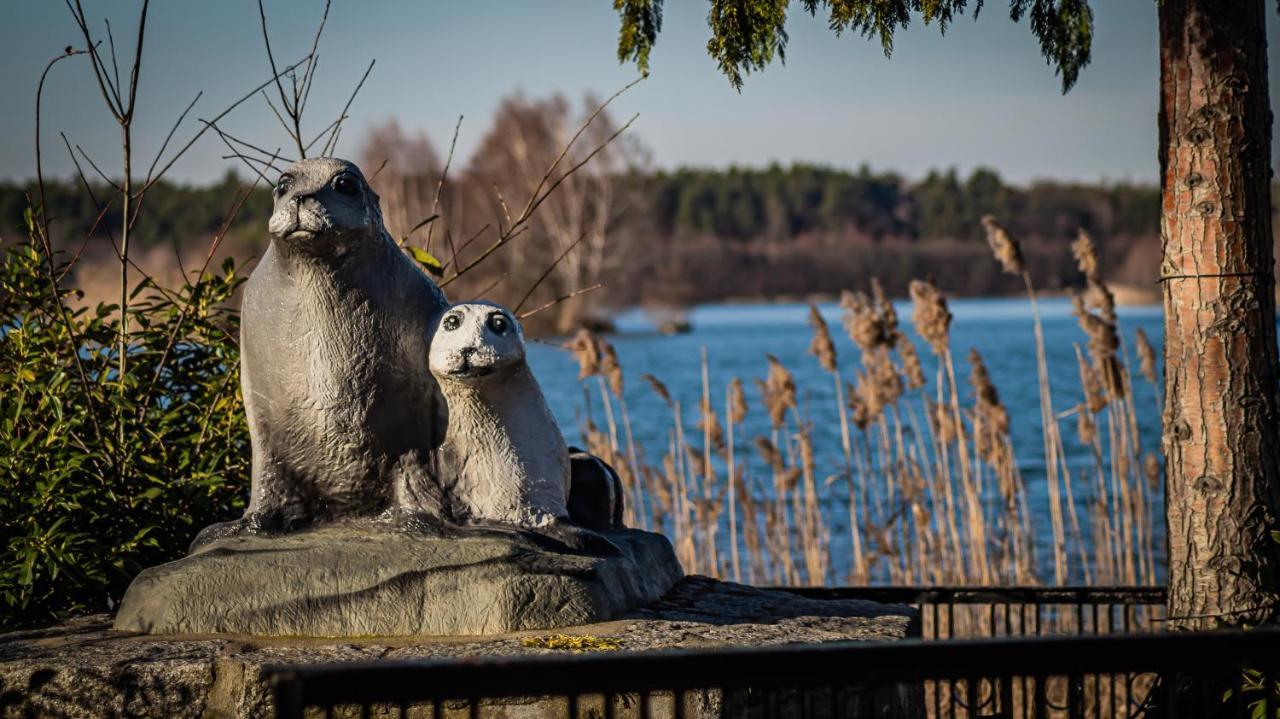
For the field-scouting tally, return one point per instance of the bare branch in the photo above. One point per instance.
(558, 300)
(284, 99)
(309, 74)
(379, 170)
(137, 60)
(89, 160)
(109, 92)
(332, 144)
(495, 283)
(202, 130)
(435, 204)
(111, 41)
(568, 146)
(165, 145)
(42, 230)
(547, 273)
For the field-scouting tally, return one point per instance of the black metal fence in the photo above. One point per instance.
(1011, 672)
(970, 612)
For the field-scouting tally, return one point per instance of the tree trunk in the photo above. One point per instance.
(1221, 430)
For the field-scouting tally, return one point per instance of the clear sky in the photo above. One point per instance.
(980, 95)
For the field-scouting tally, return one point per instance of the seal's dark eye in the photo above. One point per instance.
(452, 322)
(283, 184)
(346, 184)
(497, 323)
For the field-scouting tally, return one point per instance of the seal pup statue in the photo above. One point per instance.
(335, 333)
(503, 459)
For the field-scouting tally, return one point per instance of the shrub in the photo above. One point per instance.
(101, 474)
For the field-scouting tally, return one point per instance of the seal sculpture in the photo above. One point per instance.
(507, 461)
(343, 414)
(503, 459)
(358, 502)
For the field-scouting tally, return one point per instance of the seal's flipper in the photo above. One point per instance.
(251, 524)
(579, 540)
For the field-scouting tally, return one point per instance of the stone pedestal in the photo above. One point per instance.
(83, 668)
(348, 581)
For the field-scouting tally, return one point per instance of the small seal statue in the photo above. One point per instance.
(503, 459)
(343, 412)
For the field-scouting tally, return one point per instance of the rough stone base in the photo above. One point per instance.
(84, 669)
(350, 582)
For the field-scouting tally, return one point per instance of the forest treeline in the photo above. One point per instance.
(655, 238)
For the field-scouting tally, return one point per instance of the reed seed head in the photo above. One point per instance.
(709, 422)
(821, 347)
(1104, 340)
(1146, 356)
(779, 391)
(1086, 255)
(857, 407)
(911, 366)
(737, 402)
(1003, 246)
(930, 315)
(659, 388)
(861, 321)
(1151, 468)
(586, 352)
(888, 315)
(610, 367)
(769, 453)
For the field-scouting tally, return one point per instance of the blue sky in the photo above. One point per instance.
(980, 95)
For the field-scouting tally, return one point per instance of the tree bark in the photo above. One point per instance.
(1221, 429)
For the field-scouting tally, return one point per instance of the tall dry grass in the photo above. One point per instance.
(928, 482)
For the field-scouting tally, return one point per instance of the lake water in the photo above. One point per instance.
(737, 337)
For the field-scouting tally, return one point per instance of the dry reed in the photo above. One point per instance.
(932, 490)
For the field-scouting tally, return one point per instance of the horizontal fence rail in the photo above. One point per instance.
(971, 612)
(844, 679)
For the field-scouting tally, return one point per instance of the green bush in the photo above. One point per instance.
(103, 475)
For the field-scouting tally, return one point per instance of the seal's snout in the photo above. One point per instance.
(471, 362)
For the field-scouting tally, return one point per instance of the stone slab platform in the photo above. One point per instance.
(351, 581)
(82, 668)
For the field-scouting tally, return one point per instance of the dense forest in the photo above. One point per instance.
(656, 238)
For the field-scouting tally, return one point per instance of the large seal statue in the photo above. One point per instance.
(336, 327)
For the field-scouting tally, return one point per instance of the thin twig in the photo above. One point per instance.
(547, 272)
(296, 131)
(491, 286)
(309, 74)
(379, 170)
(332, 144)
(569, 145)
(95, 167)
(110, 94)
(165, 145)
(558, 300)
(444, 175)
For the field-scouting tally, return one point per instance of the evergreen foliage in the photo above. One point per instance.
(746, 35)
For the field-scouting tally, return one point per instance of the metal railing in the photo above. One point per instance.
(970, 612)
(1006, 675)
(846, 679)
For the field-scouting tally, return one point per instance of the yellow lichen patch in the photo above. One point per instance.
(565, 642)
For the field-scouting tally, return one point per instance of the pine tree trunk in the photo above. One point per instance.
(1221, 428)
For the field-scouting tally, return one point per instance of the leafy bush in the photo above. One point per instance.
(102, 475)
